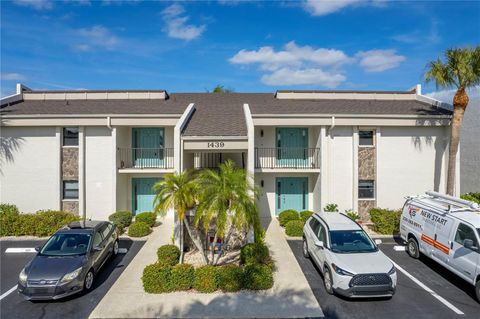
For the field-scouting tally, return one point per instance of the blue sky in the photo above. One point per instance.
(249, 46)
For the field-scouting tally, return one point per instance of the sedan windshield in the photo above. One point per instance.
(351, 241)
(66, 245)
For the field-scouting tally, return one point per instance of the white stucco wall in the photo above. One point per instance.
(410, 161)
(99, 172)
(31, 178)
(469, 149)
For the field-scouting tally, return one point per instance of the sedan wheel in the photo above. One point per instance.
(88, 280)
(115, 248)
(306, 254)
(327, 280)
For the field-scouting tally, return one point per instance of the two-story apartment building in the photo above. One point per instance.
(96, 152)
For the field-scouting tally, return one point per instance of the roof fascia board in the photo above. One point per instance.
(79, 116)
(329, 116)
(200, 138)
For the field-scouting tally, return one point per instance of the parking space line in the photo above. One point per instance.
(20, 250)
(430, 291)
(122, 250)
(8, 292)
(399, 248)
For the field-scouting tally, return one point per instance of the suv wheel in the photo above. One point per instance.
(477, 290)
(328, 281)
(412, 248)
(306, 254)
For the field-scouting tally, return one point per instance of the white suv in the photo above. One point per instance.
(351, 262)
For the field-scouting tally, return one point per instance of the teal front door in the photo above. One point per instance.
(142, 194)
(292, 143)
(291, 193)
(148, 147)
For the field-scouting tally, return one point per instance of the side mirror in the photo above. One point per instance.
(37, 249)
(319, 243)
(97, 248)
(468, 243)
(378, 241)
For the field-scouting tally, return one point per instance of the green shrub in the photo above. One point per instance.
(9, 220)
(138, 229)
(156, 278)
(168, 255)
(182, 277)
(205, 279)
(305, 215)
(122, 219)
(331, 208)
(473, 197)
(255, 253)
(257, 277)
(147, 217)
(8, 208)
(352, 215)
(294, 228)
(286, 216)
(48, 222)
(230, 278)
(385, 221)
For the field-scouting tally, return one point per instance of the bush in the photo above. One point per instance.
(168, 255)
(255, 253)
(230, 278)
(205, 279)
(156, 278)
(258, 277)
(286, 216)
(182, 277)
(42, 223)
(122, 219)
(352, 215)
(385, 221)
(473, 197)
(331, 208)
(138, 229)
(305, 215)
(147, 217)
(294, 228)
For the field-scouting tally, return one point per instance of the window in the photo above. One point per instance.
(314, 225)
(106, 230)
(322, 235)
(365, 138)
(465, 232)
(70, 189)
(366, 189)
(70, 136)
(97, 240)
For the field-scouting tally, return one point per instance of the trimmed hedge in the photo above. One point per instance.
(385, 221)
(255, 253)
(138, 229)
(168, 255)
(205, 279)
(294, 228)
(473, 197)
(147, 217)
(305, 215)
(258, 277)
(182, 277)
(230, 278)
(156, 279)
(42, 223)
(122, 219)
(287, 215)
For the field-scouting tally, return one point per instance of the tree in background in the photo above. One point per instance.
(461, 70)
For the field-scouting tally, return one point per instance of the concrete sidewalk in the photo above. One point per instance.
(290, 297)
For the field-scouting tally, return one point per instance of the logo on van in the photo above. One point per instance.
(412, 211)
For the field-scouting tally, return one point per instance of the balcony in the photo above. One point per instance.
(145, 158)
(287, 158)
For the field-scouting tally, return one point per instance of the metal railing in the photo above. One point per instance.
(145, 158)
(287, 158)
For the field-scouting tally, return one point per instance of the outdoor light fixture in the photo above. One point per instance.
(262, 183)
(261, 133)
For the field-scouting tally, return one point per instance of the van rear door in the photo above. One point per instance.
(464, 261)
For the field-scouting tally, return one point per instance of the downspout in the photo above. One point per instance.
(332, 126)
(109, 122)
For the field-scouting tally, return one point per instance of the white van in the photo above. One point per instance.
(447, 230)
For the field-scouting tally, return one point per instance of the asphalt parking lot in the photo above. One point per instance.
(78, 306)
(410, 300)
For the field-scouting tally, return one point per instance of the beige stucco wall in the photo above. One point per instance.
(30, 179)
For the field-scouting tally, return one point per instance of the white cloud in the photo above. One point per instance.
(176, 24)
(309, 76)
(379, 60)
(447, 95)
(35, 4)
(12, 77)
(324, 7)
(96, 37)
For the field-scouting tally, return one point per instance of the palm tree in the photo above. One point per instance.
(228, 198)
(178, 192)
(221, 89)
(461, 71)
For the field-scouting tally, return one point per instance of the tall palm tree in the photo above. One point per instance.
(461, 70)
(178, 192)
(228, 198)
